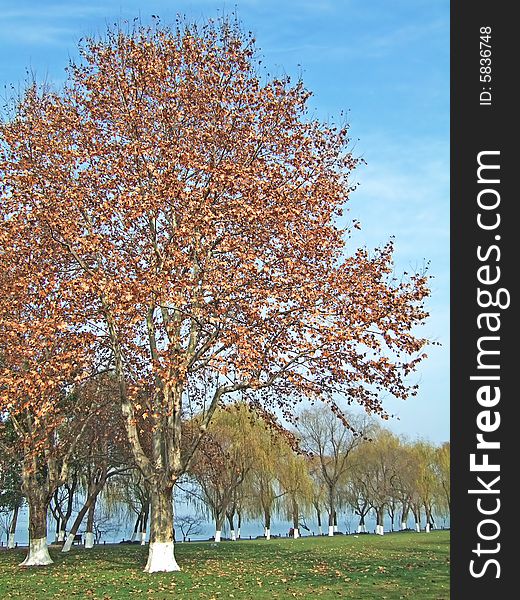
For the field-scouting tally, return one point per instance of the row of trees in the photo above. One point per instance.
(243, 470)
(248, 469)
(170, 217)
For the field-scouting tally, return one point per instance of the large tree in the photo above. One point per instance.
(40, 361)
(197, 205)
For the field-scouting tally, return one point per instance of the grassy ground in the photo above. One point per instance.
(369, 567)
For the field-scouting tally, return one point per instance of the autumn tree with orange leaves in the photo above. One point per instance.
(41, 359)
(197, 207)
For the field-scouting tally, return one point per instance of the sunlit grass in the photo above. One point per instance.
(402, 565)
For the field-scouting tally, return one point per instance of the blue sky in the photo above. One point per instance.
(385, 64)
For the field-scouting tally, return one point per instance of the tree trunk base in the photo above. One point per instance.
(89, 539)
(38, 555)
(10, 541)
(161, 558)
(68, 543)
(331, 530)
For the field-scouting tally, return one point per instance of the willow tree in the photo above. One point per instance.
(297, 489)
(332, 442)
(224, 461)
(199, 203)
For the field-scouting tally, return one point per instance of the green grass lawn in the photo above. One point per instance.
(404, 565)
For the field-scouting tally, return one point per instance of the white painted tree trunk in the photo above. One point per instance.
(335, 528)
(89, 539)
(418, 527)
(320, 531)
(142, 535)
(161, 558)
(428, 528)
(61, 535)
(38, 555)
(238, 533)
(267, 533)
(10, 541)
(403, 525)
(296, 533)
(359, 528)
(233, 536)
(331, 530)
(68, 543)
(217, 535)
(380, 530)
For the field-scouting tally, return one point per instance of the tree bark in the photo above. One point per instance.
(38, 554)
(91, 499)
(267, 525)
(379, 521)
(362, 527)
(144, 523)
(331, 522)
(89, 532)
(230, 518)
(404, 517)
(161, 555)
(219, 521)
(318, 519)
(417, 516)
(12, 527)
(136, 527)
(296, 519)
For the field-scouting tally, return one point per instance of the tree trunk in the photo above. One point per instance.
(161, 555)
(267, 525)
(379, 521)
(362, 527)
(136, 527)
(391, 514)
(296, 519)
(12, 527)
(144, 523)
(417, 516)
(429, 519)
(91, 499)
(239, 523)
(404, 517)
(38, 554)
(70, 502)
(89, 532)
(57, 519)
(331, 522)
(219, 521)
(230, 518)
